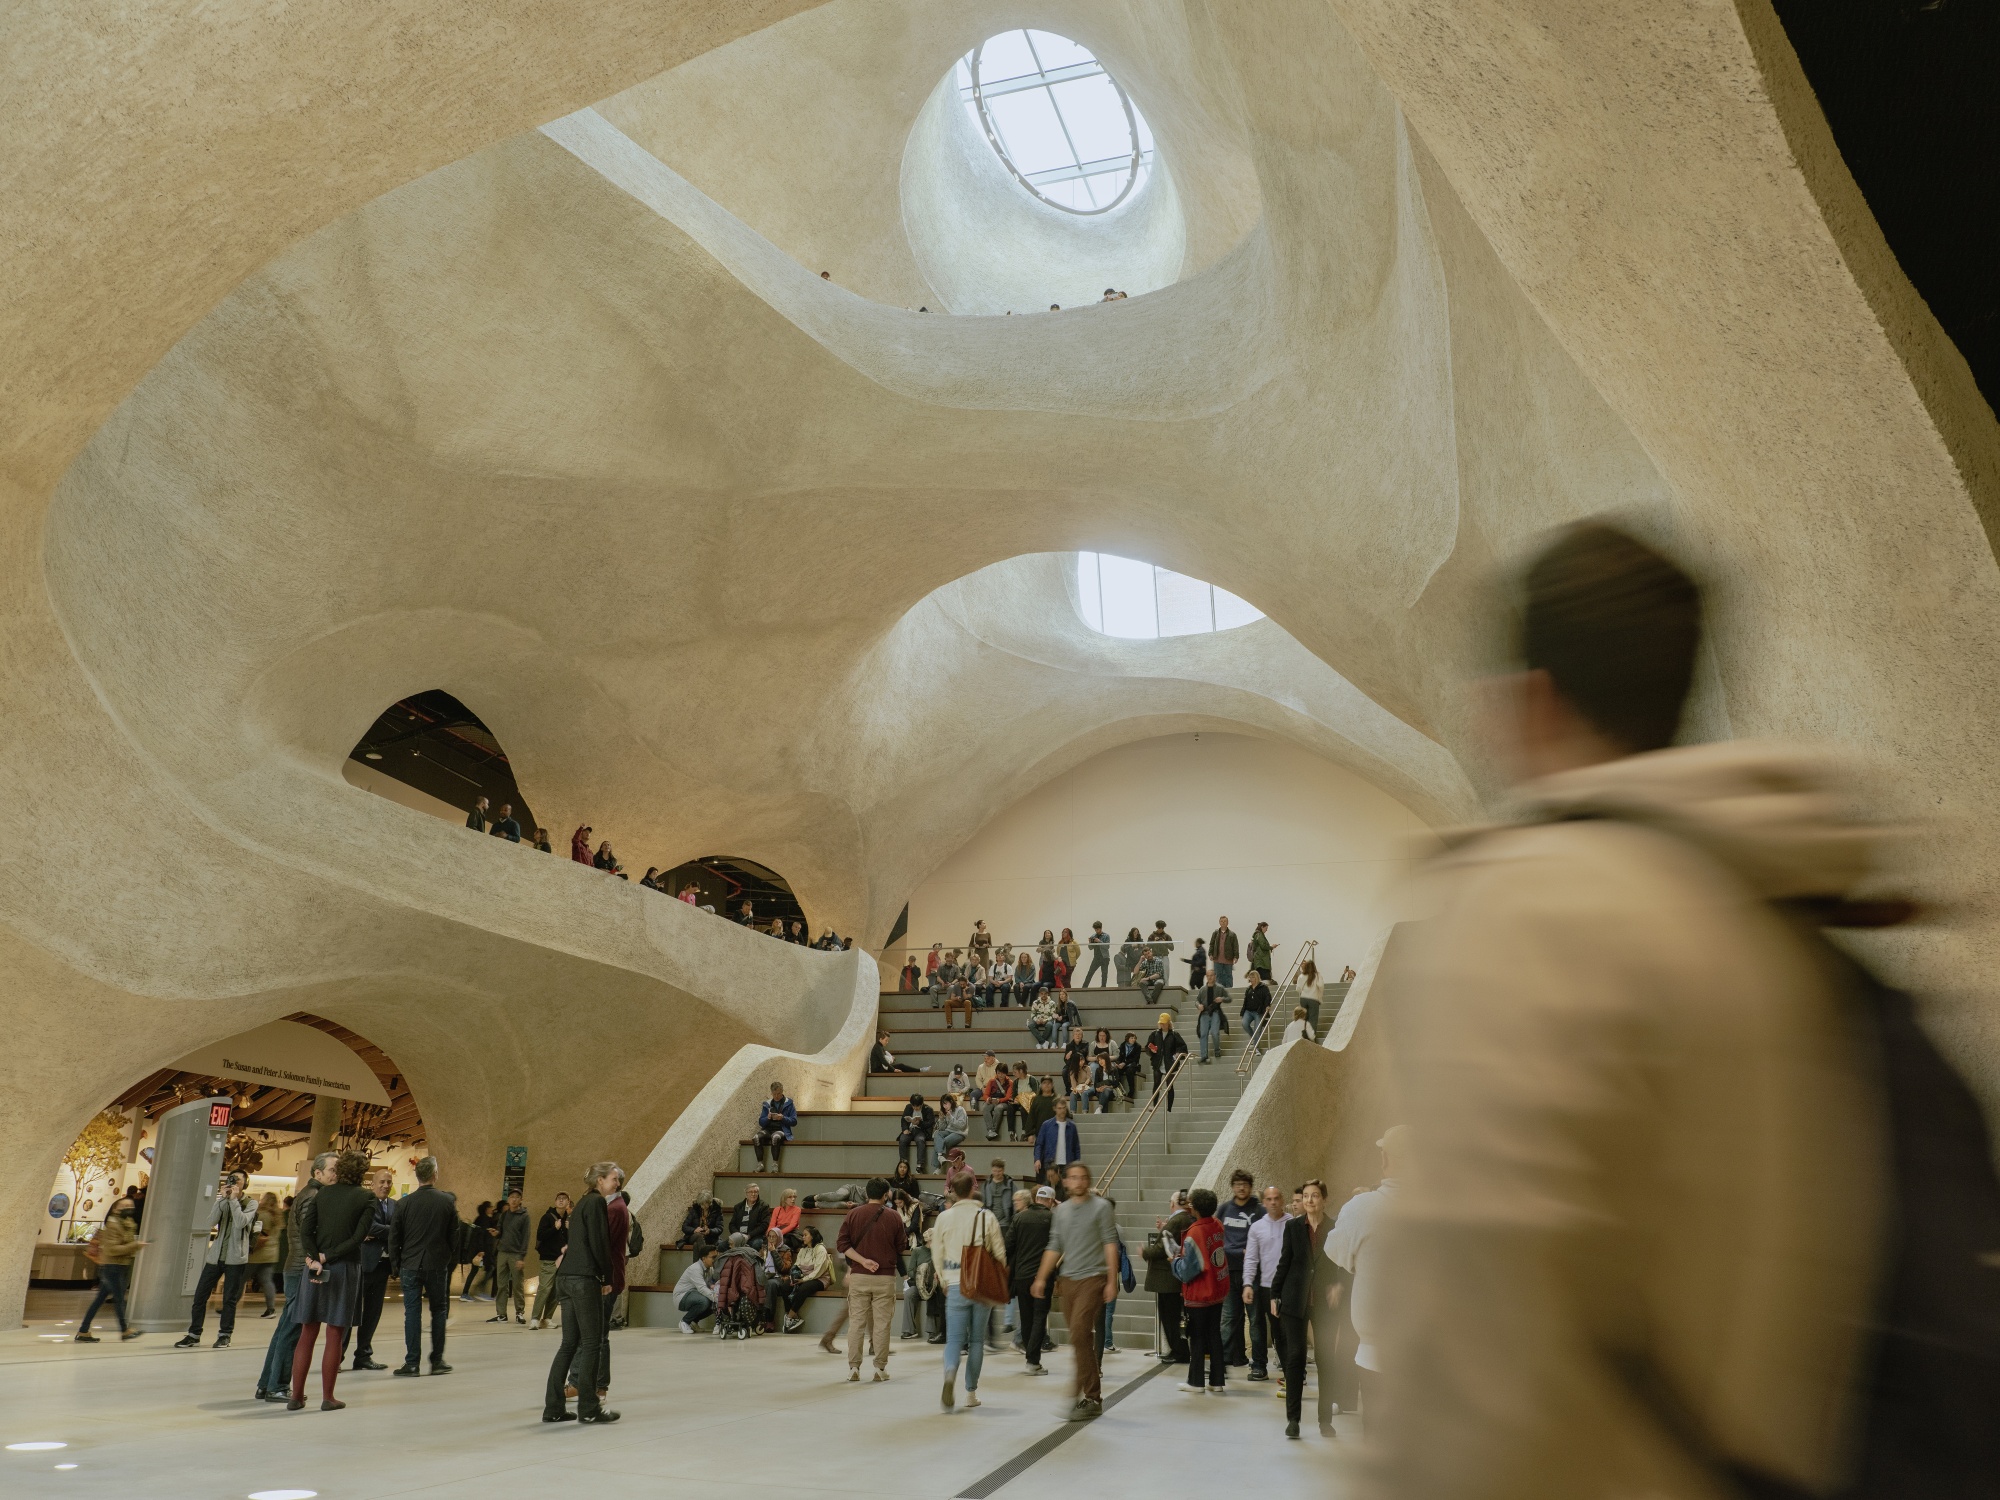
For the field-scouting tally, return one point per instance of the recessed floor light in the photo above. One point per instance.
(34, 1447)
(283, 1494)
(65, 1466)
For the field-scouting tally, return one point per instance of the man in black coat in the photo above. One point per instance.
(374, 1270)
(1026, 1238)
(751, 1217)
(583, 1278)
(423, 1247)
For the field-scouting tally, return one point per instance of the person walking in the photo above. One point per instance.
(1236, 1214)
(870, 1241)
(275, 1379)
(1057, 1143)
(1164, 1047)
(1203, 1270)
(333, 1227)
(1082, 1256)
(1210, 1020)
(1197, 963)
(1261, 1249)
(1099, 943)
(374, 1269)
(423, 1235)
(1163, 1248)
(115, 1244)
(1026, 1238)
(510, 1256)
(777, 1119)
(1256, 1008)
(231, 1222)
(583, 1291)
(551, 1234)
(1306, 1293)
(265, 1245)
(1260, 950)
(965, 1224)
(1222, 952)
(1355, 1245)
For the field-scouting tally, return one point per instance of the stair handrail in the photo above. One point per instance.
(1253, 1045)
(1144, 1118)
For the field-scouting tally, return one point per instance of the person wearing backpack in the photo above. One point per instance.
(1652, 1198)
(1202, 1269)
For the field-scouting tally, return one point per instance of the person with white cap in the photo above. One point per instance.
(1352, 1245)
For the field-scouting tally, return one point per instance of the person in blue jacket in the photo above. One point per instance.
(1237, 1215)
(1057, 1143)
(775, 1123)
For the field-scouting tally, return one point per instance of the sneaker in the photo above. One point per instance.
(501, 1319)
(85, 1338)
(187, 1341)
(407, 1370)
(1086, 1411)
(439, 1367)
(880, 1376)
(909, 1335)
(793, 1325)
(1192, 1390)
(971, 1399)
(269, 1312)
(1037, 1370)
(1257, 1375)
(853, 1377)
(1113, 1349)
(686, 1327)
(945, 1398)
(130, 1334)
(222, 1342)
(602, 1414)
(1215, 1390)
(567, 1416)
(1291, 1429)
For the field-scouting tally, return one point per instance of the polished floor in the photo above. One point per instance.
(143, 1421)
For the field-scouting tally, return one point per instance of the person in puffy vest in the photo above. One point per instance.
(1203, 1272)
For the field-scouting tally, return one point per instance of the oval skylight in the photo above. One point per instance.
(1060, 123)
(1137, 601)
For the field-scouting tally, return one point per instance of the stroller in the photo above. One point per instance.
(739, 1299)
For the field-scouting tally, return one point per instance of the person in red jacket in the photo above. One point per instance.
(1203, 1271)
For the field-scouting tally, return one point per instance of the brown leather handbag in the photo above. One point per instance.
(982, 1275)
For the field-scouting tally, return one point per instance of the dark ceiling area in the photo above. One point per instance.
(1909, 89)
(726, 882)
(436, 744)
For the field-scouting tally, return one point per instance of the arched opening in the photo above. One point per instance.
(432, 753)
(727, 881)
(292, 1087)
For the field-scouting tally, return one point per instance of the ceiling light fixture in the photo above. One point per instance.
(372, 755)
(34, 1447)
(283, 1494)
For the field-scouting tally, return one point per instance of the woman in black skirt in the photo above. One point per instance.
(331, 1229)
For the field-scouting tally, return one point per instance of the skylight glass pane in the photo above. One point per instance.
(1129, 610)
(1184, 607)
(1057, 51)
(1231, 611)
(1006, 56)
(1095, 116)
(1030, 130)
(1086, 590)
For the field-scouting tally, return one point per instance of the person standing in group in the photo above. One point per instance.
(550, 1237)
(777, 1119)
(980, 944)
(1083, 1257)
(966, 1223)
(1126, 957)
(1260, 950)
(333, 1227)
(116, 1244)
(1164, 1048)
(1197, 963)
(1236, 1215)
(476, 820)
(583, 1284)
(423, 1234)
(1161, 944)
(374, 1269)
(264, 1248)
(1355, 1245)
(232, 1223)
(1162, 1250)
(510, 1256)
(276, 1377)
(1305, 1292)
(910, 981)
(1026, 1238)
(1057, 1144)
(618, 1239)
(870, 1241)
(1203, 1272)
(1210, 1020)
(1222, 952)
(1261, 1249)
(1099, 943)
(506, 825)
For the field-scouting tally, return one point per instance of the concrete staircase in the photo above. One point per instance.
(834, 1147)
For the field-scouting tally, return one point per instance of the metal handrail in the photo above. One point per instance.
(1253, 1045)
(1145, 1117)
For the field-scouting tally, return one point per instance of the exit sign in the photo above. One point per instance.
(218, 1116)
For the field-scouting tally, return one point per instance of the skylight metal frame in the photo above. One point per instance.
(1134, 165)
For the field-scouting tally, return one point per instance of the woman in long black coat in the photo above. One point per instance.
(1307, 1290)
(1163, 1046)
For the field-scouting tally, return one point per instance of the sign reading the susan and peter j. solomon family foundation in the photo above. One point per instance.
(289, 1055)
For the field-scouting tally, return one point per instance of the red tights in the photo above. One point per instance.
(329, 1365)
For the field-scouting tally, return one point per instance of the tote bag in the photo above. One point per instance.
(981, 1276)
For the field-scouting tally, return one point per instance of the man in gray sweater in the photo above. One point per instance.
(232, 1222)
(1083, 1247)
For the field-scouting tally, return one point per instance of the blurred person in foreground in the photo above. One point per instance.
(1644, 1220)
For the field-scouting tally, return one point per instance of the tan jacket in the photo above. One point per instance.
(1641, 1216)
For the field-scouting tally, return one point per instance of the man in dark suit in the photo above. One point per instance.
(423, 1245)
(584, 1282)
(374, 1271)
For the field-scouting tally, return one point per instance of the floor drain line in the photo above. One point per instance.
(1021, 1462)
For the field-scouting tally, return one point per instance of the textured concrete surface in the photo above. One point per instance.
(326, 376)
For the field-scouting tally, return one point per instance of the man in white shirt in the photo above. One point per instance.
(1300, 1026)
(1261, 1249)
(1351, 1244)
